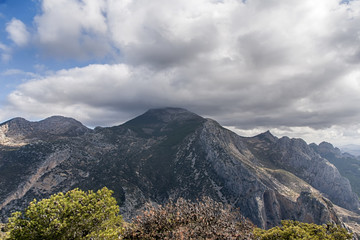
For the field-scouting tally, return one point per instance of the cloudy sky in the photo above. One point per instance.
(286, 65)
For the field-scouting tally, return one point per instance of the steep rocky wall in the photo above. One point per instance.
(258, 193)
(297, 157)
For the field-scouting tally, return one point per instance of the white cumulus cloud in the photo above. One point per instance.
(17, 32)
(75, 29)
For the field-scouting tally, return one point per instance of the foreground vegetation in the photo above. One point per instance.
(95, 215)
(297, 230)
(74, 215)
(187, 220)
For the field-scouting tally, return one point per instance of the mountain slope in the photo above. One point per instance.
(347, 164)
(171, 153)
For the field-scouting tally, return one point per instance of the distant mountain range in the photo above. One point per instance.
(169, 153)
(353, 149)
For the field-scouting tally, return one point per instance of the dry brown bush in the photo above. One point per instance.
(184, 219)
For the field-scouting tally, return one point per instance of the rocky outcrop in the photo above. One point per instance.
(170, 153)
(14, 132)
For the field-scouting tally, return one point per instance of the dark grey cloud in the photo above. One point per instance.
(285, 65)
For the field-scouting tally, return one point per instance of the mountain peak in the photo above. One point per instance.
(326, 145)
(161, 120)
(15, 120)
(328, 148)
(267, 135)
(59, 125)
(170, 114)
(164, 115)
(57, 118)
(16, 126)
(58, 121)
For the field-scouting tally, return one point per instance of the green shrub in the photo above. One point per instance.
(308, 231)
(73, 215)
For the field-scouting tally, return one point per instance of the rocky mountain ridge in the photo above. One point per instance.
(19, 131)
(170, 153)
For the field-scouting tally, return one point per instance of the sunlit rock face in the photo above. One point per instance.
(169, 153)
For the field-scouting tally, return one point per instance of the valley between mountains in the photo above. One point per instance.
(170, 153)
